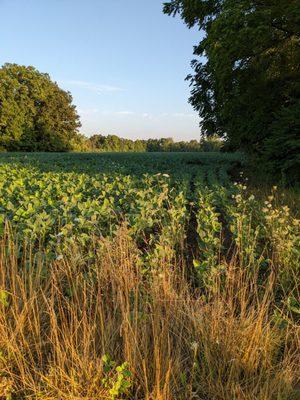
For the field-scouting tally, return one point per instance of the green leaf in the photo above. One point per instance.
(4, 298)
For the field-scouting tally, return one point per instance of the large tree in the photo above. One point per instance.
(35, 114)
(246, 84)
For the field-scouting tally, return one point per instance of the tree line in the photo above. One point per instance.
(36, 115)
(114, 143)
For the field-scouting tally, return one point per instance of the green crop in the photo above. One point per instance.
(170, 204)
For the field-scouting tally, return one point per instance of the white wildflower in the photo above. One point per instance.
(194, 346)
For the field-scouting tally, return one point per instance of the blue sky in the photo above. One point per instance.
(124, 61)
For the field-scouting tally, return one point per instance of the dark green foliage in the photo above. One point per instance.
(282, 149)
(35, 114)
(168, 144)
(211, 143)
(113, 143)
(246, 84)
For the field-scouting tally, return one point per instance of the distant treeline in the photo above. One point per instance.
(114, 143)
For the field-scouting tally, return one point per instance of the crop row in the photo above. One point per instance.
(55, 209)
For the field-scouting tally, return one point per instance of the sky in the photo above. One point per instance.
(124, 61)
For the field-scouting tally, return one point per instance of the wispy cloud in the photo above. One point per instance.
(87, 111)
(92, 87)
(114, 113)
(183, 115)
(178, 115)
(128, 113)
(124, 113)
(138, 115)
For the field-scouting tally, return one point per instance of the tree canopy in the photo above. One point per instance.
(246, 84)
(35, 114)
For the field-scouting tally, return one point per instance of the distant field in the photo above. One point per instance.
(145, 276)
(178, 164)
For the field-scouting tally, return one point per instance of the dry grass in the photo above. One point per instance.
(58, 320)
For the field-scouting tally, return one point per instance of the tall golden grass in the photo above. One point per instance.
(58, 320)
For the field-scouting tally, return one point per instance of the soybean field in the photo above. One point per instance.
(146, 276)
